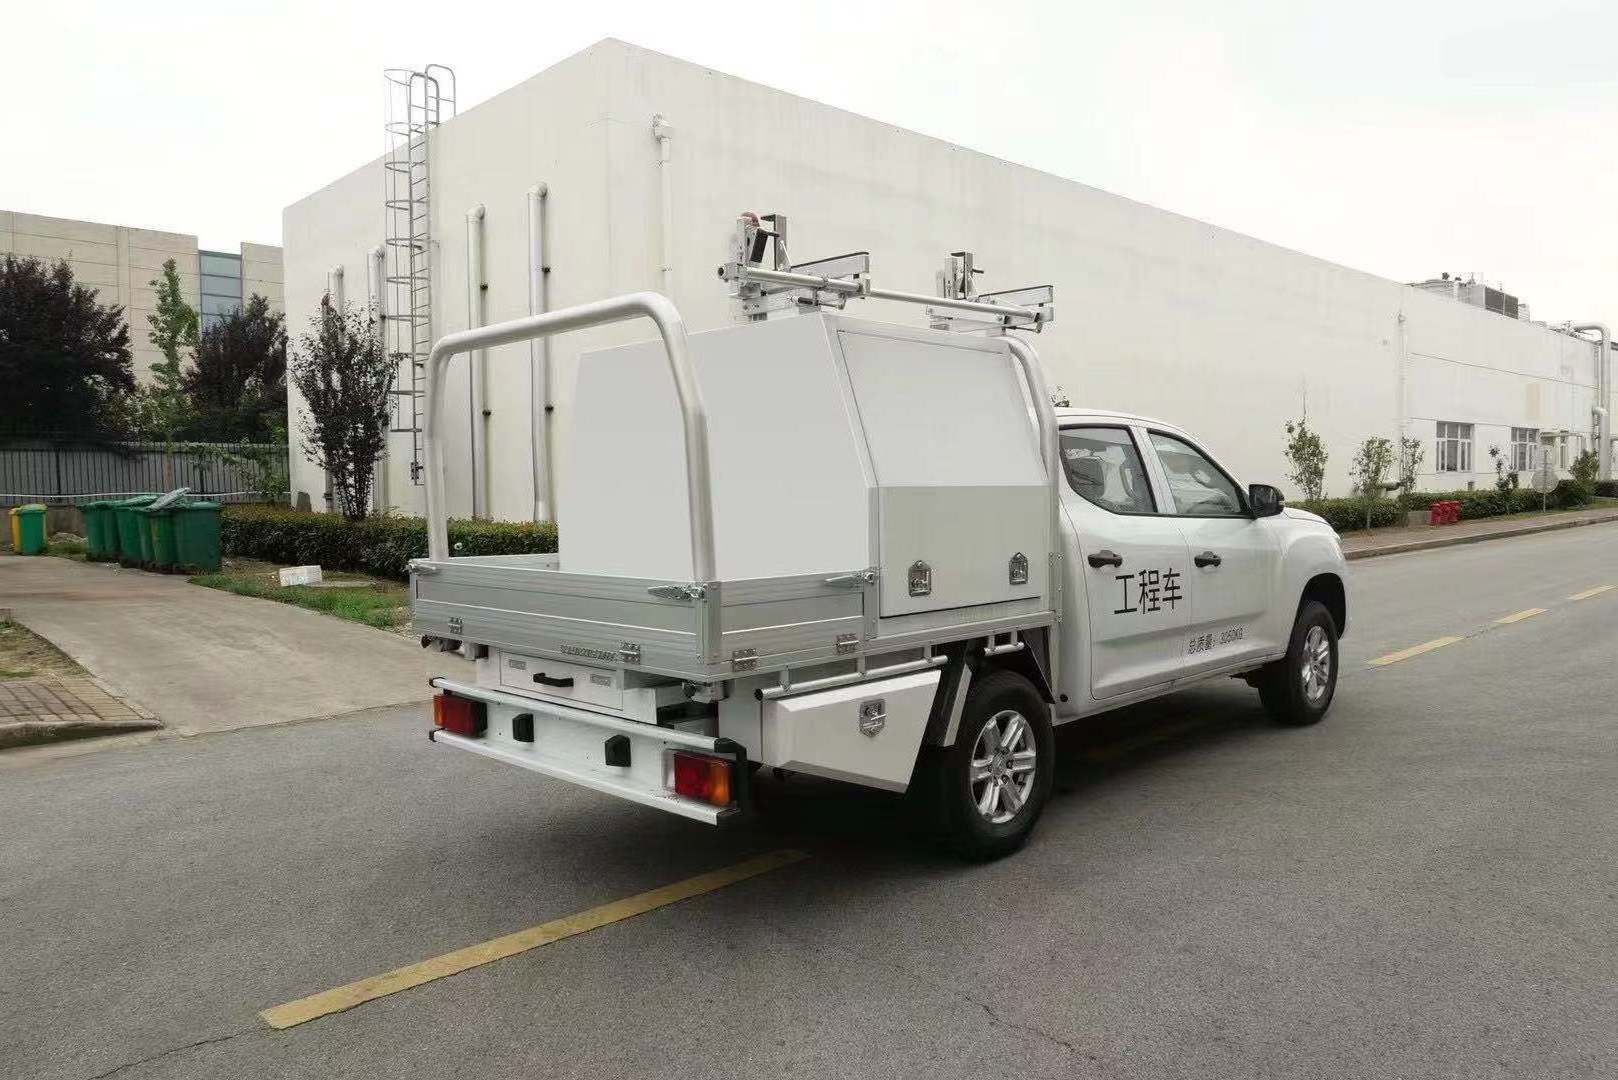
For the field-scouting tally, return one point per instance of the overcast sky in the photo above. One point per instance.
(1399, 138)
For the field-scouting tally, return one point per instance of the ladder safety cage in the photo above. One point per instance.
(417, 102)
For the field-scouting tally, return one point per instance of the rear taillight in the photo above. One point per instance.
(460, 716)
(700, 777)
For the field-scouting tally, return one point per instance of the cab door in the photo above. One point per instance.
(1133, 560)
(1235, 558)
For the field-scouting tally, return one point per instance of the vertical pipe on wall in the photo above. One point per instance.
(334, 295)
(374, 287)
(478, 400)
(1400, 382)
(539, 356)
(663, 132)
(1603, 414)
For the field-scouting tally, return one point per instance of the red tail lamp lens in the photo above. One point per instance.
(704, 778)
(460, 716)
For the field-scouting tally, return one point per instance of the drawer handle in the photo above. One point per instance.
(549, 681)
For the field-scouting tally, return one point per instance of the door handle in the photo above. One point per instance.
(1106, 558)
(549, 680)
(1207, 558)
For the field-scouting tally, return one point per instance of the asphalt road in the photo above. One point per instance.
(1426, 885)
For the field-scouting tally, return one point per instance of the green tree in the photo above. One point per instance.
(1411, 453)
(1585, 468)
(343, 373)
(1306, 458)
(1369, 471)
(237, 389)
(1505, 481)
(64, 358)
(163, 409)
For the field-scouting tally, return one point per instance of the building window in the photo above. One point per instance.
(1454, 447)
(221, 286)
(1524, 440)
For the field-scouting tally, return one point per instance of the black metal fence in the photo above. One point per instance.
(49, 470)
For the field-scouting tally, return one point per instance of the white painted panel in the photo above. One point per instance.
(585, 685)
(820, 733)
(955, 454)
(789, 490)
(967, 537)
(938, 409)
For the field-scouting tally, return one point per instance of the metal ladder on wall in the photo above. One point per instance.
(417, 102)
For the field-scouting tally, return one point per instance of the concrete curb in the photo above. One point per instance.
(19, 733)
(1475, 538)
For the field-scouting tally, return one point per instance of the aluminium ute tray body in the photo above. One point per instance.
(522, 604)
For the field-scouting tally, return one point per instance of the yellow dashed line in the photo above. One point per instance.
(1519, 616)
(357, 993)
(1414, 650)
(1597, 591)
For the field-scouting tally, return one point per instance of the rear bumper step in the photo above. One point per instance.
(566, 744)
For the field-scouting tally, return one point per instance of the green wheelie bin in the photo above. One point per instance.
(157, 535)
(196, 536)
(129, 531)
(28, 536)
(96, 528)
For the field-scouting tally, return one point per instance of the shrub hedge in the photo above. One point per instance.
(381, 546)
(1347, 515)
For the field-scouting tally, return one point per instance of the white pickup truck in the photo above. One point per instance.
(861, 551)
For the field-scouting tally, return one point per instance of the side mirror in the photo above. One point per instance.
(1264, 500)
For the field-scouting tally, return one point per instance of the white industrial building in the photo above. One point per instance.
(621, 169)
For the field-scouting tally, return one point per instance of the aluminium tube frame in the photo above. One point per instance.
(1033, 374)
(539, 356)
(693, 415)
(865, 289)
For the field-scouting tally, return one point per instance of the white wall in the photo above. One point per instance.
(1469, 366)
(1157, 313)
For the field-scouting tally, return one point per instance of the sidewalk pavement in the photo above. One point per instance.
(51, 707)
(205, 660)
(1396, 541)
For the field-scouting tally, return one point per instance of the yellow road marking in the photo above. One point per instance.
(1519, 616)
(1597, 591)
(357, 993)
(1414, 650)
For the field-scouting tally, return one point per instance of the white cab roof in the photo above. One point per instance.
(1069, 417)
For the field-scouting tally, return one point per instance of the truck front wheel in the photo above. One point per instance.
(992, 785)
(1298, 690)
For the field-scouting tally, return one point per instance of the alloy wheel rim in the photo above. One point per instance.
(1316, 664)
(1004, 760)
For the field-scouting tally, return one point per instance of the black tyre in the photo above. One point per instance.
(1298, 690)
(989, 788)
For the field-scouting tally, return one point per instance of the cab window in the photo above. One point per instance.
(1197, 487)
(1104, 467)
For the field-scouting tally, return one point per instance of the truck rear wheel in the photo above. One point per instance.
(1298, 690)
(992, 785)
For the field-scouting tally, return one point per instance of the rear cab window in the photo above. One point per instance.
(1103, 466)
